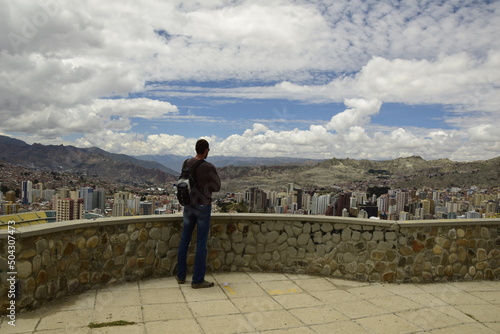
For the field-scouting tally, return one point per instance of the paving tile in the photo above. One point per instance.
(123, 286)
(296, 330)
(348, 284)
(272, 320)
(429, 318)
(488, 296)
(493, 325)
(213, 307)
(388, 324)
(129, 329)
(341, 327)
(280, 287)
(396, 303)
(372, 291)
(474, 286)
(459, 298)
(181, 326)
(439, 288)
(126, 313)
(296, 300)
(113, 298)
(404, 289)
(274, 304)
(74, 330)
(426, 300)
(453, 312)
(66, 320)
(161, 296)
(85, 300)
(317, 315)
(244, 290)
(232, 278)
(197, 295)
(299, 276)
(254, 304)
(482, 313)
(160, 312)
(159, 283)
(359, 309)
(235, 323)
(334, 296)
(22, 325)
(315, 284)
(465, 328)
(266, 277)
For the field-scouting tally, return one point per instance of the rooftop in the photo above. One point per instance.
(251, 302)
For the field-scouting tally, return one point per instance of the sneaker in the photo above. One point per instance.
(180, 281)
(201, 285)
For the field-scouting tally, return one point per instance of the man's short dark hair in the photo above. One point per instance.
(201, 146)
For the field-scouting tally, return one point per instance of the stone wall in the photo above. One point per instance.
(59, 259)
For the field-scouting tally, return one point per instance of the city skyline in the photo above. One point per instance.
(359, 79)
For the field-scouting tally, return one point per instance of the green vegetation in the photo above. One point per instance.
(111, 324)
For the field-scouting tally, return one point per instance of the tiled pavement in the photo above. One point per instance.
(272, 303)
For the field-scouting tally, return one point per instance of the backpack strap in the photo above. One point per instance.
(189, 171)
(196, 165)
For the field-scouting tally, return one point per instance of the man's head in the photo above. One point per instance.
(202, 146)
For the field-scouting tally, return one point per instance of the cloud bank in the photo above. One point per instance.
(90, 73)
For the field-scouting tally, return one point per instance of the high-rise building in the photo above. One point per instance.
(426, 206)
(342, 203)
(383, 203)
(69, 209)
(256, 199)
(146, 208)
(99, 200)
(118, 208)
(401, 200)
(320, 203)
(306, 203)
(133, 206)
(87, 194)
(27, 192)
(297, 197)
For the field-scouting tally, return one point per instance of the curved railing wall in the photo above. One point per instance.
(58, 259)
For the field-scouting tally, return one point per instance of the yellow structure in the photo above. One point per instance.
(27, 219)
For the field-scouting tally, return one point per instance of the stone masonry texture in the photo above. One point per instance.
(51, 265)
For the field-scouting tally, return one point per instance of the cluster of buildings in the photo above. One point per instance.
(84, 203)
(396, 204)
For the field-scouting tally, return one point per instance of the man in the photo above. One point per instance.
(198, 214)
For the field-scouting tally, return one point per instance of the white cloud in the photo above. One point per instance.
(69, 68)
(358, 114)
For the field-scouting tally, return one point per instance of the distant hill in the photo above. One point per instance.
(117, 168)
(239, 173)
(175, 161)
(411, 172)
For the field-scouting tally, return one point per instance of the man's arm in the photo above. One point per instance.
(214, 182)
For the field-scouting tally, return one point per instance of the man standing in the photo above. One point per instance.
(198, 214)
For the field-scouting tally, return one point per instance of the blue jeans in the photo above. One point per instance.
(199, 216)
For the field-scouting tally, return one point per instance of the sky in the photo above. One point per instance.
(356, 79)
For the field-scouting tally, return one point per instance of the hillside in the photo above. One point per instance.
(238, 174)
(174, 162)
(411, 172)
(86, 162)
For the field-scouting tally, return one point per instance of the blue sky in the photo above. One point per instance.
(318, 79)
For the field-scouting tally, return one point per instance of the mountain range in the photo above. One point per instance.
(118, 168)
(239, 173)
